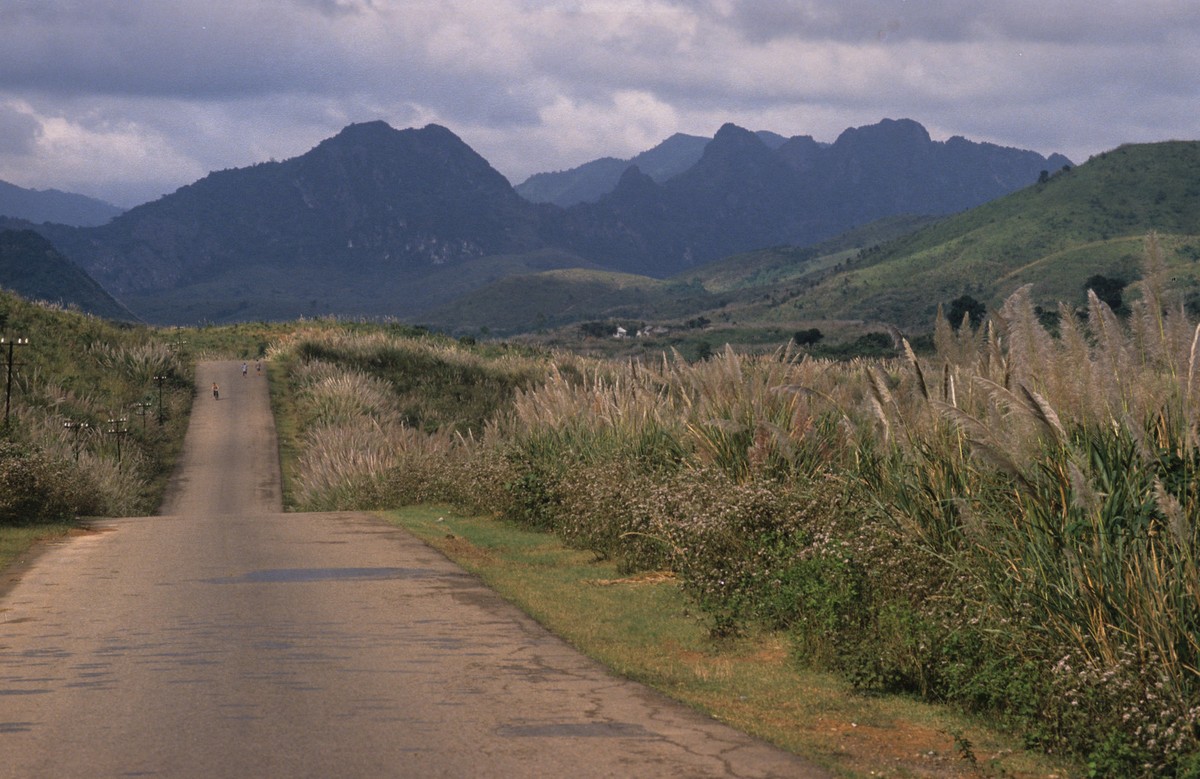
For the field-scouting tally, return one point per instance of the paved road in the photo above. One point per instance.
(227, 639)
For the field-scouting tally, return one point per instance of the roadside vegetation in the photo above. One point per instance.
(82, 434)
(1003, 519)
(1008, 525)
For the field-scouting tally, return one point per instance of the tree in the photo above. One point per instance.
(807, 337)
(1109, 290)
(965, 306)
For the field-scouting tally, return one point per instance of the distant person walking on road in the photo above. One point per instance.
(243, 370)
(216, 392)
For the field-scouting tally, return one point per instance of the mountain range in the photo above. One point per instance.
(382, 222)
(1124, 218)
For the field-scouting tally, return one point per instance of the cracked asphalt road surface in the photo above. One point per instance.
(224, 638)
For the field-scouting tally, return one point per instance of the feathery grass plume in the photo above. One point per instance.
(1013, 425)
(1030, 347)
(879, 387)
(809, 392)
(1147, 321)
(1180, 333)
(994, 362)
(980, 439)
(736, 415)
(895, 334)
(942, 339)
(1083, 496)
(1188, 394)
(1112, 353)
(1043, 413)
(961, 346)
(969, 426)
(139, 363)
(1074, 381)
(916, 366)
(347, 396)
(881, 400)
(1177, 519)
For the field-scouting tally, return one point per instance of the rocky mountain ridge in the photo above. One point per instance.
(379, 221)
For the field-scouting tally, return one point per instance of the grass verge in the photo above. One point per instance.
(644, 628)
(17, 544)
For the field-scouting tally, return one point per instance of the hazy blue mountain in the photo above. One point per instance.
(51, 205)
(592, 180)
(743, 194)
(586, 183)
(367, 222)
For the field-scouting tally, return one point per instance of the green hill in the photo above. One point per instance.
(782, 265)
(1089, 220)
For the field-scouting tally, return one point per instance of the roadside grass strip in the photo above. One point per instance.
(644, 627)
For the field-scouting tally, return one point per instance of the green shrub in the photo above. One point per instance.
(36, 488)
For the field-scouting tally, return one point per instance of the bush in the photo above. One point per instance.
(34, 487)
(738, 547)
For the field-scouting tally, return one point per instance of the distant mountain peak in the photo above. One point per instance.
(894, 130)
(732, 151)
(634, 181)
(374, 125)
(379, 131)
(731, 133)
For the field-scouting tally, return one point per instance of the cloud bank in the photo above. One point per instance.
(130, 99)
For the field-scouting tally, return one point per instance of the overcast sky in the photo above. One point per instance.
(128, 100)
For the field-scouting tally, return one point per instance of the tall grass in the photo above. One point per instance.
(1010, 525)
(383, 418)
(81, 371)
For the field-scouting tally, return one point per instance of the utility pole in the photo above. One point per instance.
(142, 406)
(12, 343)
(76, 428)
(117, 427)
(159, 381)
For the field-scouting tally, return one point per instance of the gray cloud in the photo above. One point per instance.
(19, 132)
(1061, 21)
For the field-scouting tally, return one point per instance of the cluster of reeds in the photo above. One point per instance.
(1058, 474)
(379, 421)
